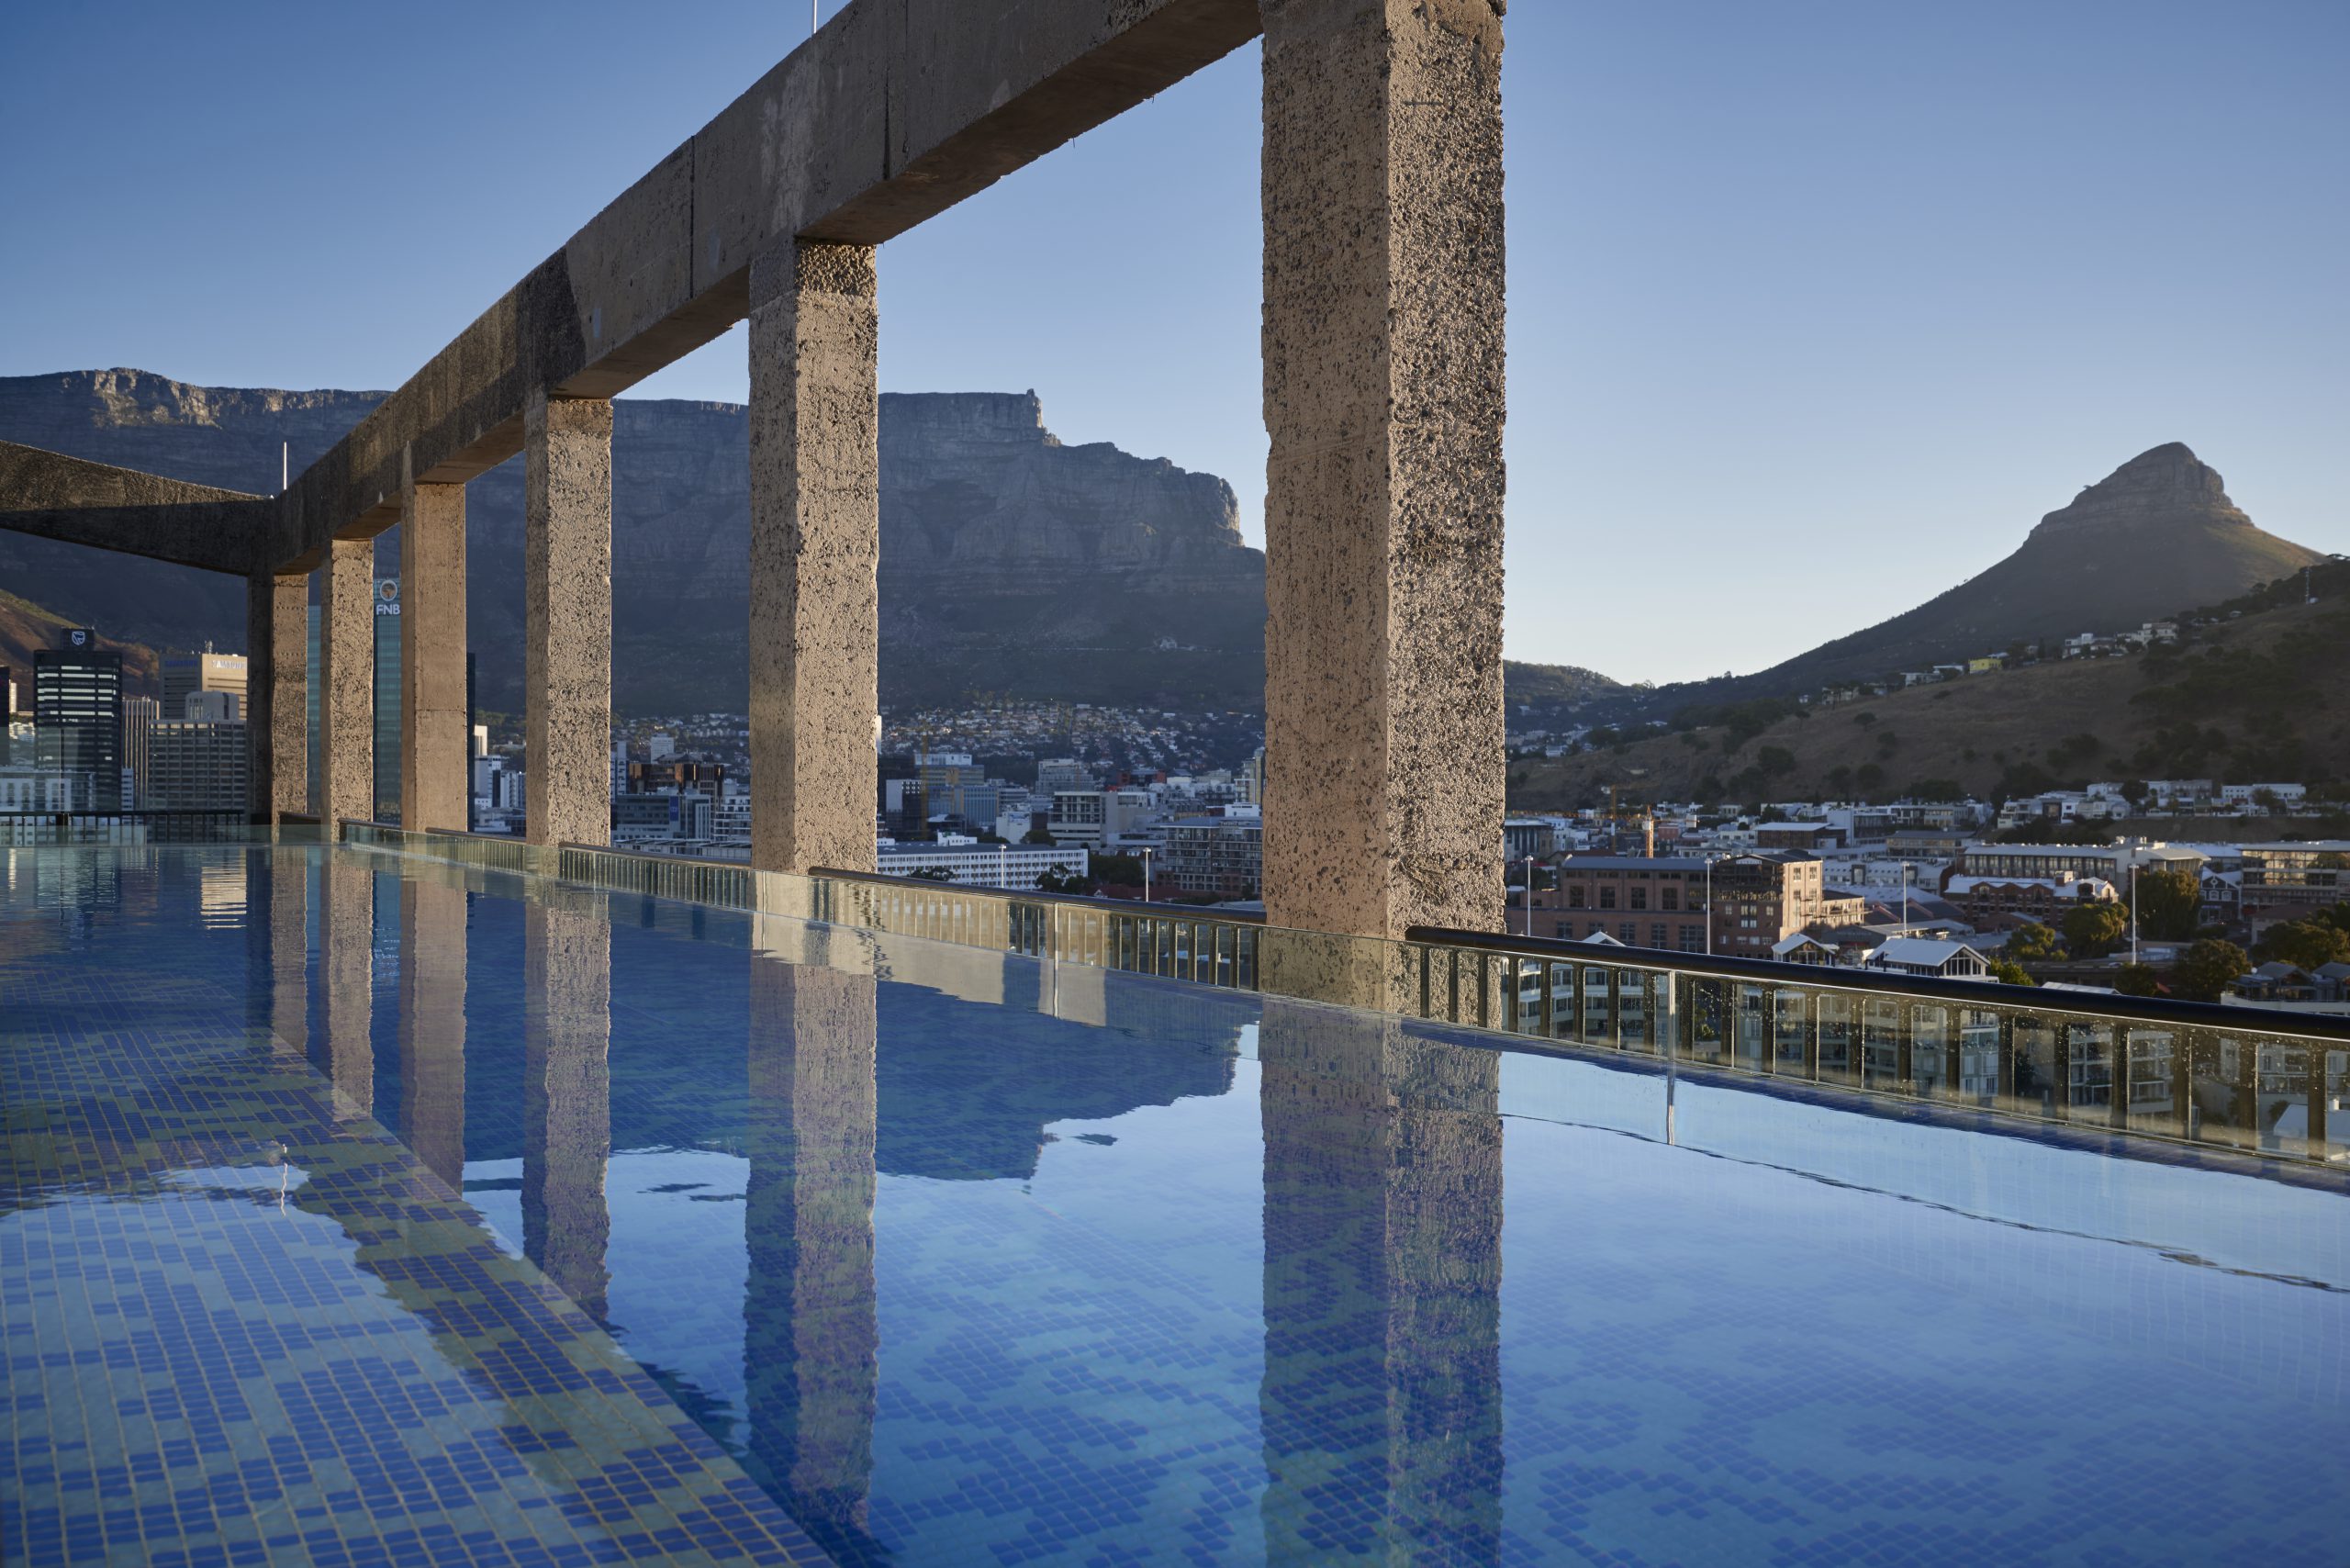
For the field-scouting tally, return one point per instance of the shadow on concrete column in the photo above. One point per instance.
(566, 1096)
(435, 789)
(347, 975)
(432, 1025)
(1382, 1400)
(1384, 400)
(277, 721)
(567, 619)
(815, 552)
(347, 682)
(811, 1326)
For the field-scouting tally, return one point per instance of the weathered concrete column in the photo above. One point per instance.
(1383, 397)
(347, 682)
(434, 785)
(277, 689)
(566, 1097)
(810, 1325)
(432, 1025)
(815, 551)
(347, 975)
(567, 619)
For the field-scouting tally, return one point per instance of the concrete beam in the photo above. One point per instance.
(815, 556)
(277, 692)
(435, 789)
(131, 513)
(890, 115)
(568, 621)
(1384, 399)
(347, 682)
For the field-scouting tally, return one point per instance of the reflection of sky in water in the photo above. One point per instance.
(1224, 1282)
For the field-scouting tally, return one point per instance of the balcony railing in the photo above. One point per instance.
(2240, 1079)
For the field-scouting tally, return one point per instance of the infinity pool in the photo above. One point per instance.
(359, 1209)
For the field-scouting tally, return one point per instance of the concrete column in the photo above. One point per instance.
(1384, 399)
(1382, 1401)
(277, 678)
(432, 1025)
(347, 973)
(567, 1098)
(811, 1326)
(815, 551)
(434, 785)
(567, 619)
(347, 682)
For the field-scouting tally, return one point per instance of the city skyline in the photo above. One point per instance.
(1925, 274)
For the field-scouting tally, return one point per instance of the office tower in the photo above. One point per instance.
(140, 717)
(209, 708)
(387, 699)
(7, 693)
(77, 719)
(199, 767)
(184, 674)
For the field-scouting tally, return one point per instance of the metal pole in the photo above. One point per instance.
(1530, 895)
(1146, 874)
(1709, 906)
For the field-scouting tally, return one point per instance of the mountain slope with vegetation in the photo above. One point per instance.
(2157, 533)
(2259, 695)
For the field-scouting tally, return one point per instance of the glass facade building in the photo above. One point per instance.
(77, 719)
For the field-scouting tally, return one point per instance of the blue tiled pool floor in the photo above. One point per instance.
(360, 1211)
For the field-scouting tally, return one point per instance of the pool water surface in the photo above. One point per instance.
(359, 1208)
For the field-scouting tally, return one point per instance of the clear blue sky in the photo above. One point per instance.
(1815, 307)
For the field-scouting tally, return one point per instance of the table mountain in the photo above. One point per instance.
(1011, 562)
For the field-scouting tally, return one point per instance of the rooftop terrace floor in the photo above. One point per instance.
(357, 1208)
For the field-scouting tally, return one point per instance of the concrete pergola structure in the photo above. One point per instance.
(1384, 399)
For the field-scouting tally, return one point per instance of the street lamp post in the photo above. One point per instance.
(1146, 873)
(1530, 895)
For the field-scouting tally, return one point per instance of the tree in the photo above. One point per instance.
(1118, 870)
(1054, 879)
(2308, 943)
(2093, 930)
(1776, 759)
(2167, 904)
(933, 874)
(2033, 943)
(1037, 836)
(2205, 969)
(2007, 971)
(2138, 980)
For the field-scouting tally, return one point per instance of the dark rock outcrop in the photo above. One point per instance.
(1011, 562)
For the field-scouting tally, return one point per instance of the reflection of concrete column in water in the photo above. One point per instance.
(810, 1327)
(289, 949)
(1382, 1401)
(432, 1025)
(347, 971)
(566, 1097)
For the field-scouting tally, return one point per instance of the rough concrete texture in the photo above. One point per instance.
(812, 1334)
(567, 620)
(435, 786)
(890, 115)
(1384, 399)
(121, 509)
(432, 1025)
(1383, 1290)
(815, 556)
(277, 686)
(566, 1096)
(347, 682)
(347, 966)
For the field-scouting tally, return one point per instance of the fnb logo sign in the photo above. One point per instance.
(387, 596)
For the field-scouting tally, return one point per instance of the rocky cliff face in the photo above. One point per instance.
(1011, 562)
(2163, 488)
